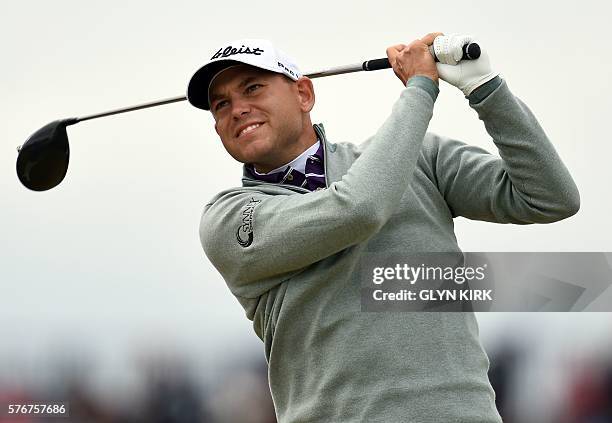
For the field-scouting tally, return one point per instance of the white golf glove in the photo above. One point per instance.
(467, 75)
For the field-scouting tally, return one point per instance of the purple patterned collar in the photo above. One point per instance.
(312, 180)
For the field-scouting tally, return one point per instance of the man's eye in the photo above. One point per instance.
(219, 104)
(252, 87)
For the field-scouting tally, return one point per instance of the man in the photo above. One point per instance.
(290, 241)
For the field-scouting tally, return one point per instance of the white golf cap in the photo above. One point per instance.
(255, 52)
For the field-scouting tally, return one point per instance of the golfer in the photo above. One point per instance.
(289, 242)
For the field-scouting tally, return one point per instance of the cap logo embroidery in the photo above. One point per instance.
(230, 51)
(280, 65)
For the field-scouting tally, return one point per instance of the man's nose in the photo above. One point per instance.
(240, 107)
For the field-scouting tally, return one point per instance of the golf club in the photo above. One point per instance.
(42, 161)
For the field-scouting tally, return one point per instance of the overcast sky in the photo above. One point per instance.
(112, 256)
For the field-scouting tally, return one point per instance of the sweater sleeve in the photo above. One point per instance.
(256, 240)
(528, 183)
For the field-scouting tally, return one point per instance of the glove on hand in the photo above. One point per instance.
(467, 75)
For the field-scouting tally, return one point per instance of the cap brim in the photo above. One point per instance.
(197, 90)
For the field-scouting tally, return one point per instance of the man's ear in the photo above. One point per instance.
(306, 93)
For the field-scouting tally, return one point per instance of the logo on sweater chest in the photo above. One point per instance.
(244, 233)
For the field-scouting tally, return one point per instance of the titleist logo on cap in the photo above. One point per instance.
(231, 50)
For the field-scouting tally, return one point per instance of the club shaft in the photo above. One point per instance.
(131, 108)
(338, 70)
(326, 72)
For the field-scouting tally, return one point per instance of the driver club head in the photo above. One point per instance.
(42, 162)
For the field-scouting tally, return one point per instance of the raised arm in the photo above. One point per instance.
(528, 183)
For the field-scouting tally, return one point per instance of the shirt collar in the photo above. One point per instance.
(299, 163)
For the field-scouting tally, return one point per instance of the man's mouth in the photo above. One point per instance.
(249, 129)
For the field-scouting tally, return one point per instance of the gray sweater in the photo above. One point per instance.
(291, 257)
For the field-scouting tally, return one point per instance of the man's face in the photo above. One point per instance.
(243, 96)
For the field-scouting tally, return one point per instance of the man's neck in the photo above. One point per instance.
(308, 141)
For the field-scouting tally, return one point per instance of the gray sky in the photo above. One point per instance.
(111, 257)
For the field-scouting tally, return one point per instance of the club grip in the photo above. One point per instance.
(376, 64)
(471, 51)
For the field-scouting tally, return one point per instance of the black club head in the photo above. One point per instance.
(42, 162)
